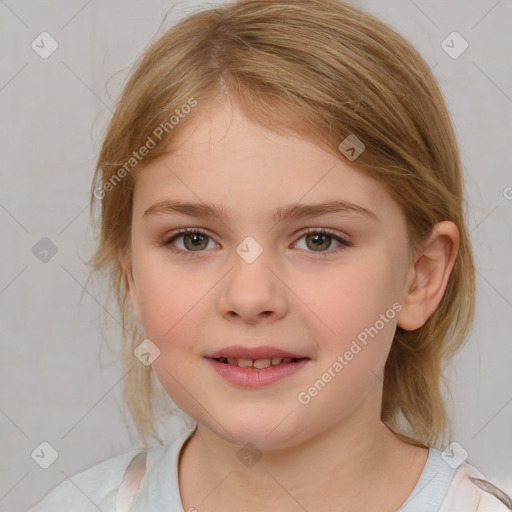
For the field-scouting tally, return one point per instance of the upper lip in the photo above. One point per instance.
(262, 352)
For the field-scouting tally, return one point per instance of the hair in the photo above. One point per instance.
(321, 70)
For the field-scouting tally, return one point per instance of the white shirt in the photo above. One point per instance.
(442, 486)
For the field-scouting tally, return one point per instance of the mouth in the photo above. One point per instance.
(258, 364)
(255, 367)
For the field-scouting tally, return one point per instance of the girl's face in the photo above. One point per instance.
(253, 278)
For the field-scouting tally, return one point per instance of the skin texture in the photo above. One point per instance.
(293, 297)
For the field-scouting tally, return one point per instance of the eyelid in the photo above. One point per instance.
(342, 239)
(328, 231)
(166, 240)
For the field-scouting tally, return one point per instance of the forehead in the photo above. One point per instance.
(220, 156)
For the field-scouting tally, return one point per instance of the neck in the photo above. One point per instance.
(357, 454)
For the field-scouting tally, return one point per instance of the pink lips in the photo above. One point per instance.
(253, 377)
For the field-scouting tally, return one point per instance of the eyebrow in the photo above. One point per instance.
(292, 211)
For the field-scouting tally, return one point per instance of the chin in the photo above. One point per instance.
(265, 430)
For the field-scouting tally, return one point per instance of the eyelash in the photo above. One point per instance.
(167, 241)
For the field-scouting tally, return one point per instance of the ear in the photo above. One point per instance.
(126, 265)
(428, 276)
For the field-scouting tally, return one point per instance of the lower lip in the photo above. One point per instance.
(256, 378)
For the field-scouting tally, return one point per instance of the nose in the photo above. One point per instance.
(252, 291)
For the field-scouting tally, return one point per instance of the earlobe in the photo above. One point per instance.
(428, 276)
(126, 265)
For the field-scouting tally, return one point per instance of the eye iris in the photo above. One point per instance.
(196, 238)
(319, 237)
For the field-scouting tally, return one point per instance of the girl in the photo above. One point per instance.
(281, 218)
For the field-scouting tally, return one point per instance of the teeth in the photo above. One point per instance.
(262, 363)
(259, 364)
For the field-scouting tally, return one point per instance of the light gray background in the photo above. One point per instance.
(60, 376)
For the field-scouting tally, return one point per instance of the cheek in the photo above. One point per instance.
(358, 314)
(354, 319)
(172, 309)
(175, 304)
(170, 297)
(349, 299)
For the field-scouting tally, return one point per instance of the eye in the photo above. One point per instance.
(320, 239)
(193, 240)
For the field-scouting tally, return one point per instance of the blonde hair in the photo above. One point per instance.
(323, 70)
